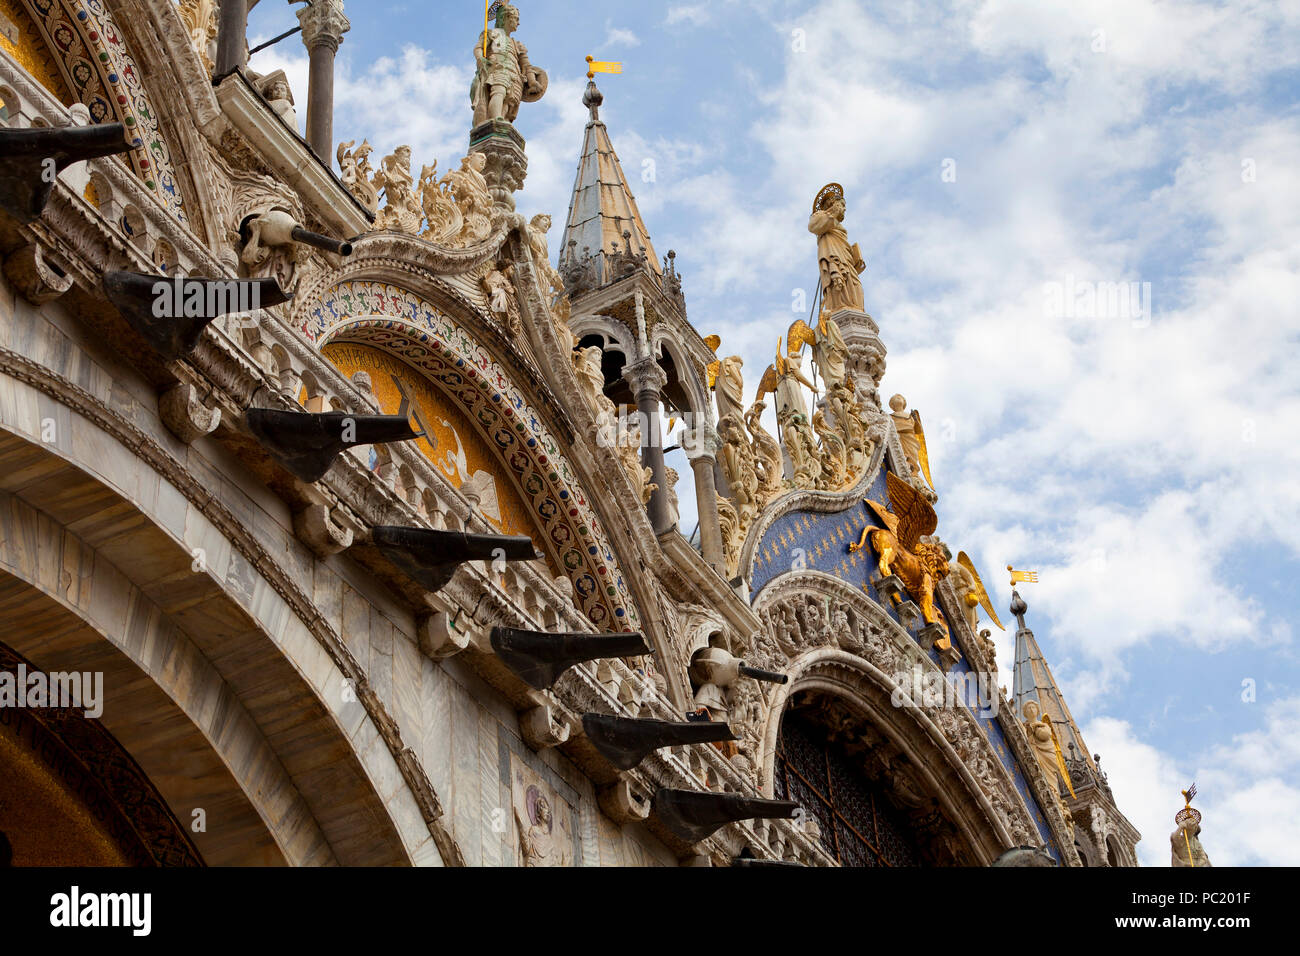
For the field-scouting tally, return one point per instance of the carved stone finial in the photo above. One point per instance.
(1018, 608)
(592, 98)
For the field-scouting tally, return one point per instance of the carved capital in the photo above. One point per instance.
(323, 22)
(645, 376)
(506, 165)
(185, 415)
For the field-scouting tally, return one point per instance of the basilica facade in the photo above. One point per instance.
(353, 491)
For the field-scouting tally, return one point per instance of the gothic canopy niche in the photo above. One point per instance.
(533, 480)
(85, 60)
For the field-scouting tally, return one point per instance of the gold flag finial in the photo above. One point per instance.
(602, 66)
(1029, 577)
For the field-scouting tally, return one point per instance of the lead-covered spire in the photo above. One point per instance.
(604, 222)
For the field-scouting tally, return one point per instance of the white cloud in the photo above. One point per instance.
(694, 14)
(616, 36)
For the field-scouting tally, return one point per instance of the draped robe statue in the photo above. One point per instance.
(729, 388)
(838, 262)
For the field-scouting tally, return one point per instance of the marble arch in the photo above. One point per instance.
(222, 711)
(402, 323)
(101, 73)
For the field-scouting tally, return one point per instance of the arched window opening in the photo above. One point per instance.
(859, 824)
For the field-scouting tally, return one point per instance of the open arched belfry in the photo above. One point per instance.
(347, 486)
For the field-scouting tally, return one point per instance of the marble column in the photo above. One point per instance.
(323, 26)
(701, 446)
(646, 378)
(232, 37)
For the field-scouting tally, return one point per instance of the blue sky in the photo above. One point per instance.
(1147, 467)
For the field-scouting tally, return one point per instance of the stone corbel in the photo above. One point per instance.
(541, 729)
(317, 529)
(909, 613)
(624, 802)
(39, 281)
(440, 636)
(185, 414)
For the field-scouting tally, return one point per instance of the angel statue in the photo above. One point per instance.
(912, 435)
(728, 390)
(905, 548)
(1047, 746)
(973, 593)
(838, 262)
(355, 172)
(503, 77)
(783, 378)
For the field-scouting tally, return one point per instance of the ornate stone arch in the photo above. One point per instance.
(936, 771)
(853, 648)
(428, 339)
(101, 73)
(609, 329)
(687, 375)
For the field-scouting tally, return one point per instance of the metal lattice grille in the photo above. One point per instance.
(858, 825)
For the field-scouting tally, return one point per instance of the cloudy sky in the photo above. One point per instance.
(1003, 161)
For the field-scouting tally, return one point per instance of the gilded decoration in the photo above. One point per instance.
(451, 441)
(23, 41)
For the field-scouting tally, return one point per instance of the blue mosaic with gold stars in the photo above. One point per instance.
(806, 540)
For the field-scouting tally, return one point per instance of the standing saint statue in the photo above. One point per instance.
(503, 77)
(728, 389)
(839, 263)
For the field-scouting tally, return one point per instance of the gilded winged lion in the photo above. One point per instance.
(919, 564)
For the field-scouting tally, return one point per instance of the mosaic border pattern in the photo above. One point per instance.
(103, 75)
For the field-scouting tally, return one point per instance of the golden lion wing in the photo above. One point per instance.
(922, 455)
(980, 592)
(713, 341)
(916, 518)
(711, 371)
(798, 336)
(767, 384)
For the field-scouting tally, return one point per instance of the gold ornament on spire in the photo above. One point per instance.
(1029, 577)
(602, 66)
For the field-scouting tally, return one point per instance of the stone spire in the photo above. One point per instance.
(1103, 835)
(604, 221)
(1032, 680)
